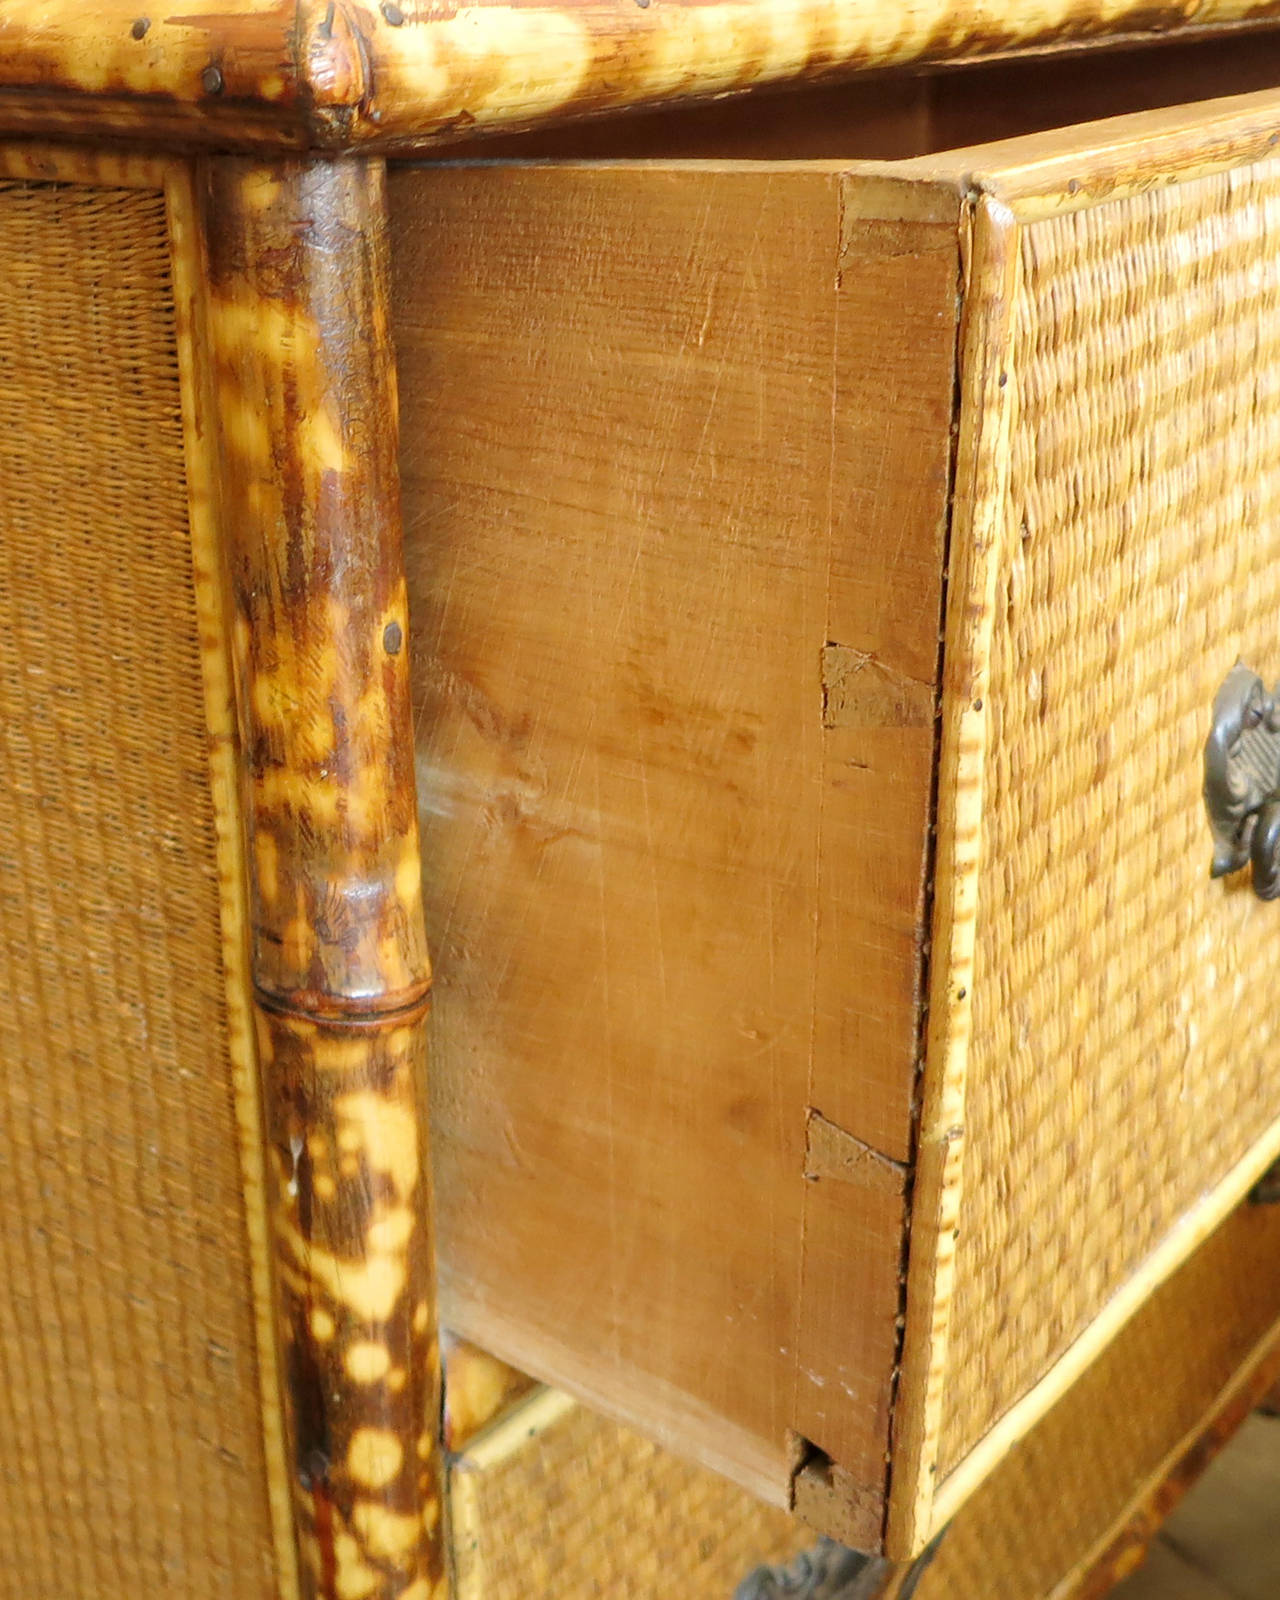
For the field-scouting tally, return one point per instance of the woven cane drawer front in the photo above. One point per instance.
(1104, 1054)
(134, 1459)
(1125, 1038)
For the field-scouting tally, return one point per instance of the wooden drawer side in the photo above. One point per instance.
(675, 465)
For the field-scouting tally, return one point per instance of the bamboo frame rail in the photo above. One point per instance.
(378, 75)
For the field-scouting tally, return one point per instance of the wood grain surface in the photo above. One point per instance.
(656, 844)
(334, 74)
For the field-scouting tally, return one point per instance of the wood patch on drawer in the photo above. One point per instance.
(840, 1157)
(860, 692)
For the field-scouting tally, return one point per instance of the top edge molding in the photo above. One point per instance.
(405, 75)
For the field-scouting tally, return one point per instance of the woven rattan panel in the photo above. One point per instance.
(1059, 1494)
(132, 1459)
(559, 1502)
(1126, 1037)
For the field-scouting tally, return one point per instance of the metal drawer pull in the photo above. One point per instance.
(1242, 780)
(830, 1571)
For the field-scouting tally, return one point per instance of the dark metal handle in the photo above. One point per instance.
(1242, 780)
(830, 1571)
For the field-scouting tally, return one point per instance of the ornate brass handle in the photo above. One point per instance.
(1242, 780)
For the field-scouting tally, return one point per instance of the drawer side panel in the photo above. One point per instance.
(616, 404)
(673, 850)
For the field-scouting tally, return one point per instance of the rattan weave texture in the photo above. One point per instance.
(1125, 1035)
(578, 1508)
(133, 1456)
(1055, 1499)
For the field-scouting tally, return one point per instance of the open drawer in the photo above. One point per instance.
(822, 574)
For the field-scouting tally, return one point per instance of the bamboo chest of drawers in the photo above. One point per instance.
(752, 595)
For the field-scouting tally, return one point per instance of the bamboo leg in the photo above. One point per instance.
(306, 400)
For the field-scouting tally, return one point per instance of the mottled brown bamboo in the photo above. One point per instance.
(397, 73)
(307, 410)
(356, 1305)
(308, 420)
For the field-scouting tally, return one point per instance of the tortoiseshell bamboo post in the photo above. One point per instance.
(305, 386)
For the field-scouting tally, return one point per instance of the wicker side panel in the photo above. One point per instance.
(132, 1458)
(1044, 1519)
(1125, 1038)
(558, 1501)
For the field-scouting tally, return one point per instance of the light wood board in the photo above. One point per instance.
(676, 454)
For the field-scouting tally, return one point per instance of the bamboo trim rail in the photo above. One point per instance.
(372, 74)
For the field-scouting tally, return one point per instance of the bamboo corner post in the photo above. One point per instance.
(304, 390)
